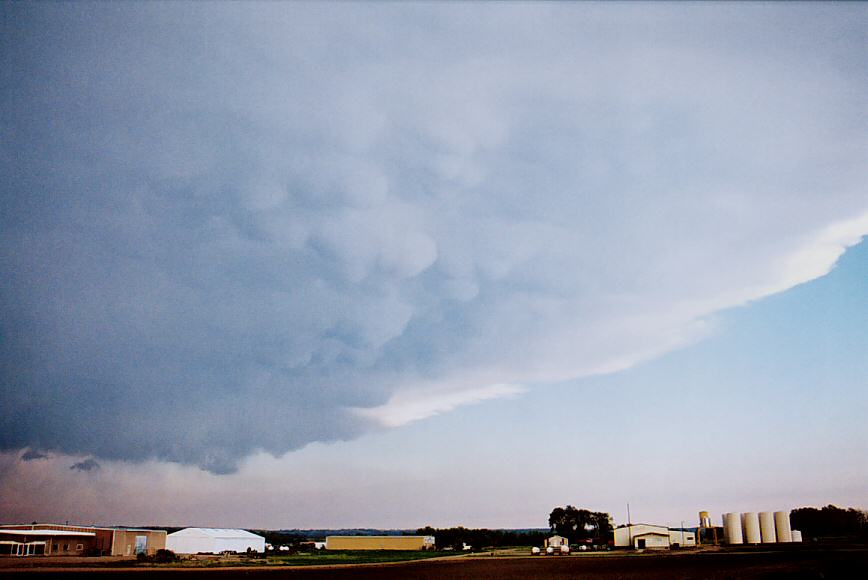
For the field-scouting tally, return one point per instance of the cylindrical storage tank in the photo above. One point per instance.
(767, 527)
(751, 524)
(797, 535)
(782, 527)
(741, 519)
(704, 519)
(732, 528)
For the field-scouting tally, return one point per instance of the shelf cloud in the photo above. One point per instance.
(230, 230)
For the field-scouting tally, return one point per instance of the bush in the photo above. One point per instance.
(160, 557)
(165, 556)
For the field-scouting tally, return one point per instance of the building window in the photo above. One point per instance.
(66, 547)
(79, 547)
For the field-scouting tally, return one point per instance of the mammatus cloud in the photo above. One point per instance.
(230, 230)
(31, 455)
(89, 464)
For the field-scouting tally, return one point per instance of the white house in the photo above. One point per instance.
(213, 541)
(556, 542)
(642, 536)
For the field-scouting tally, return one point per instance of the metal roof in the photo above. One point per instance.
(45, 533)
(216, 533)
(66, 526)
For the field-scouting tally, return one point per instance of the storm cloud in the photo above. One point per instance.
(31, 455)
(89, 464)
(228, 229)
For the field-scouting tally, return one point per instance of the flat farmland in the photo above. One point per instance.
(811, 562)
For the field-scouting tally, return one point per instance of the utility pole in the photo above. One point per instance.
(629, 525)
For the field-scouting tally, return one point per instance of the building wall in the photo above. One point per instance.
(687, 539)
(102, 541)
(51, 545)
(191, 544)
(623, 536)
(557, 542)
(655, 536)
(107, 541)
(379, 542)
(125, 541)
(239, 545)
(652, 540)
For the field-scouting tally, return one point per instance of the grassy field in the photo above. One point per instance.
(331, 558)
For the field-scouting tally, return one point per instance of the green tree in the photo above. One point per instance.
(580, 524)
(830, 521)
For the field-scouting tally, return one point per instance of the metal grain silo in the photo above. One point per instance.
(782, 527)
(751, 526)
(767, 527)
(732, 528)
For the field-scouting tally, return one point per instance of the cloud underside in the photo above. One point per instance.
(226, 231)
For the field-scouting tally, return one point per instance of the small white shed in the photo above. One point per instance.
(213, 541)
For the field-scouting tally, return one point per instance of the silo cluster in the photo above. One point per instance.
(756, 528)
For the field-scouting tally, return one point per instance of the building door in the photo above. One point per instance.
(141, 544)
(640, 543)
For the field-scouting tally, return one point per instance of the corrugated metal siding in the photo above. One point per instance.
(375, 543)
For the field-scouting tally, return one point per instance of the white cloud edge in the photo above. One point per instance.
(407, 406)
(814, 259)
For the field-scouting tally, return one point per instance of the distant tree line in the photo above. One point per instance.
(580, 525)
(830, 521)
(280, 537)
(479, 538)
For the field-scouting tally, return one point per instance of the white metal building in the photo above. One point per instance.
(642, 536)
(213, 541)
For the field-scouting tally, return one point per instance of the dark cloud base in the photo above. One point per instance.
(86, 465)
(223, 230)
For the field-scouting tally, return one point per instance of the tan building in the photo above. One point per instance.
(380, 543)
(66, 540)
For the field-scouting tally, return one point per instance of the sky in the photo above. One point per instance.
(384, 265)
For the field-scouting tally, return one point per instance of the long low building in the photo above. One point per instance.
(642, 536)
(66, 540)
(380, 543)
(44, 542)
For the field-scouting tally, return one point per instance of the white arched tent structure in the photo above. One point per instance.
(213, 541)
